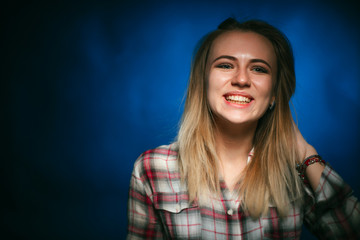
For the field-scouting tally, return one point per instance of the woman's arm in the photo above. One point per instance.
(331, 211)
(142, 219)
(313, 171)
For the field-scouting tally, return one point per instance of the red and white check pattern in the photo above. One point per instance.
(158, 208)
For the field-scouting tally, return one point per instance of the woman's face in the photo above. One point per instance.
(241, 69)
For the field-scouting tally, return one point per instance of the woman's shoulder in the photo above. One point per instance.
(158, 171)
(158, 160)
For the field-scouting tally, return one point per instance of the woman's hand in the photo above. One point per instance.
(305, 149)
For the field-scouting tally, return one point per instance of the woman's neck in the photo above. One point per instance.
(233, 144)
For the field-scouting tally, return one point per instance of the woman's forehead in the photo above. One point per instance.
(237, 43)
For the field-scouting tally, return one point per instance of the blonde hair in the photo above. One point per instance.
(271, 177)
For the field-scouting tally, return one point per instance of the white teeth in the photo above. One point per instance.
(238, 99)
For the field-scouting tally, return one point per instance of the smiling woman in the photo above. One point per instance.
(240, 167)
(240, 74)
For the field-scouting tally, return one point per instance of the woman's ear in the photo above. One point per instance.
(272, 104)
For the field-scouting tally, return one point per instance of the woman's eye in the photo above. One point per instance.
(225, 66)
(260, 69)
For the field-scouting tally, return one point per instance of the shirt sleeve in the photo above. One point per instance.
(332, 212)
(142, 219)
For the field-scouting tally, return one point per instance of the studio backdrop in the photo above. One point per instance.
(87, 87)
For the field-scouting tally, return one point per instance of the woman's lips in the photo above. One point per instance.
(238, 98)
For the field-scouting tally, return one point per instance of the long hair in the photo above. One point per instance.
(271, 177)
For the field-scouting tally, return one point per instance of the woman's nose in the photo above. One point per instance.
(241, 79)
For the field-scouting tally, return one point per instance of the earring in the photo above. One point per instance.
(272, 105)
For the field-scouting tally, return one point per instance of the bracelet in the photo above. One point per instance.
(301, 168)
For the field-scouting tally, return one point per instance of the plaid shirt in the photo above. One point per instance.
(158, 208)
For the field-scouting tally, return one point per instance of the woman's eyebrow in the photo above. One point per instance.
(226, 57)
(255, 60)
(260, 60)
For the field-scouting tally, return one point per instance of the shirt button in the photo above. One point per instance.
(230, 212)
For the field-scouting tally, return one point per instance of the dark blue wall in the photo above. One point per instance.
(87, 87)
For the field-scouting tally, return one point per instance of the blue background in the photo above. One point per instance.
(88, 86)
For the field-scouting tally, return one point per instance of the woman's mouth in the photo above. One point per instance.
(237, 99)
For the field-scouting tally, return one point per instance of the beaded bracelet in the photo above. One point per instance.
(301, 168)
